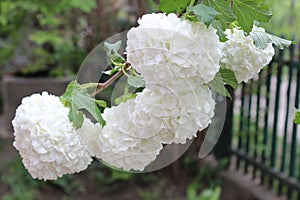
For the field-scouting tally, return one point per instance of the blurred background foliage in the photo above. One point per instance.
(286, 18)
(51, 38)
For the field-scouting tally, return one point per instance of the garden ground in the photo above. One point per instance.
(188, 178)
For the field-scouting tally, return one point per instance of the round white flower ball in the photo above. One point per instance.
(89, 136)
(164, 48)
(174, 116)
(46, 139)
(243, 57)
(119, 148)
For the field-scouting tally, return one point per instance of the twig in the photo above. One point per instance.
(103, 86)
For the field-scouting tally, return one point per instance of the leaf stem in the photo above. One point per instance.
(192, 2)
(103, 86)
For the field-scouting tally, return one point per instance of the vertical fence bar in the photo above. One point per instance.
(275, 119)
(287, 117)
(257, 119)
(248, 121)
(266, 120)
(241, 124)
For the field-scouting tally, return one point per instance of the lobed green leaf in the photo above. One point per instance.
(229, 77)
(217, 85)
(77, 98)
(136, 81)
(220, 27)
(173, 6)
(203, 13)
(112, 52)
(226, 13)
(247, 11)
(262, 39)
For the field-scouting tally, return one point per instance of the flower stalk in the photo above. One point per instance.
(102, 86)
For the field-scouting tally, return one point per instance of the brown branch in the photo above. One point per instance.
(106, 84)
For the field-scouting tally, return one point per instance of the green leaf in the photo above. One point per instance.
(101, 103)
(124, 98)
(229, 77)
(247, 11)
(261, 40)
(76, 117)
(223, 7)
(217, 85)
(112, 47)
(117, 58)
(112, 71)
(220, 27)
(204, 13)
(173, 6)
(210, 194)
(112, 53)
(297, 117)
(224, 17)
(136, 81)
(77, 98)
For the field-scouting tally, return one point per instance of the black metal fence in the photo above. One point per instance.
(260, 135)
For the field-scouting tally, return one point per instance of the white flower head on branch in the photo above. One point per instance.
(164, 48)
(119, 148)
(243, 57)
(174, 116)
(46, 139)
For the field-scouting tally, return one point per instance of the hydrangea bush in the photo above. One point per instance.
(178, 59)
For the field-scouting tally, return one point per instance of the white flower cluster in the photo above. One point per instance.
(177, 58)
(173, 116)
(243, 57)
(46, 139)
(135, 130)
(173, 52)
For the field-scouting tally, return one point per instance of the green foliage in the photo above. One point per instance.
(136, 81)
(228, 77)
(287, 19)
(225, 12)
(225, 15)
(109, 179)
(297, 117)
(46, 33)
(69, 183)
(112, 53)
(202, 13)
(126, 96)
(101, 103)
(261, 40)
(77, 98)
(247, 11)
(207, 194)
(224, 76)
(217, 85)
(19, 181)
(174, 6)
(242, 12)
